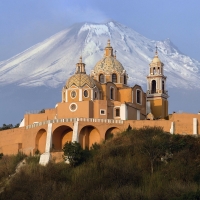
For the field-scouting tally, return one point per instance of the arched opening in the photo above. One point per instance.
(163, 86)
(40, 141)
(111, 132)
(125, 80)
(95, 95)
(138, 96)
(112, 93)
(88, 136)
(153, 86)
(101, 78)
(158, 70)
(61, 135)
(114, 78)
(154, 70)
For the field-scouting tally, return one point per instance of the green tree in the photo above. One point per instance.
(153, 144)
(73, 153)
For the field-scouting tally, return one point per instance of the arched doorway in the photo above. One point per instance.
(111, 132)
(88, 136)
(153, 86)
(40, 140)
(61, 135)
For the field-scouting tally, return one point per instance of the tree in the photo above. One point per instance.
(153, 144)
(73, 153)
(1, 155)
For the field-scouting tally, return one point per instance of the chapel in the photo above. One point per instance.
(96, 106)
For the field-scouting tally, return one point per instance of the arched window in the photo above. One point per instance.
(101, 78)
(112, 93)
(114, 78)
(95, 95)
(138, 97)
(125, 80)
(153, 86)
(163, 86)
(158, 70)
(154, 70)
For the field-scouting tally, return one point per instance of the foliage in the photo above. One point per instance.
(74, 154)
(8, 126)
(9, 163)
(120, 168)
(42, 111)
(1, 155)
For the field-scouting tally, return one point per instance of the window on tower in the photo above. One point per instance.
(138, 97)
(114, 78)
(154, 71)
(153, 86)
(101, 78)
(112, 93)
(163, 86)
(125, 80)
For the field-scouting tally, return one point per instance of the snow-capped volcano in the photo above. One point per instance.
(51, 62)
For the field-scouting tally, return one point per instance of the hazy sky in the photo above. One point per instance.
(24, 23)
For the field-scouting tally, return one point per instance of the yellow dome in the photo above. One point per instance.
(108, 65)
(156, 59)
(80, 80)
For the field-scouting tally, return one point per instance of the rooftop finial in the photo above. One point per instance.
(80, 59)
(156, 50)
(108, 44)
(115, 53)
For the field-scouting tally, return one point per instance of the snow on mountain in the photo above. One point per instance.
(52, 61)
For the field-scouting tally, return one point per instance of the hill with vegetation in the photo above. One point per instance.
(137, 164)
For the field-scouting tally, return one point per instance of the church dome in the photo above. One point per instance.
(80, 80)
(108, 63)
(156, 61)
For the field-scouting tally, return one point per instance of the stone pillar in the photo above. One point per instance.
(75, 136)
(45, 157)
(172, 129)
(123, 112)
(195, 130)
(80, 94)
(148, 107)
(66, 95)
(138, 114)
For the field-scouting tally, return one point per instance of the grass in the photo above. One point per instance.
(120, 169)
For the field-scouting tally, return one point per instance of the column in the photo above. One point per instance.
(45, 157)
(195, 131)
(75, 136)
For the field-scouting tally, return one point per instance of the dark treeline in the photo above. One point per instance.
(8, 126)
(136, 164)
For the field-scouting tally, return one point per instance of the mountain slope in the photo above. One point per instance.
(52, 61)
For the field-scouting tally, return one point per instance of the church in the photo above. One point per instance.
(95, 107)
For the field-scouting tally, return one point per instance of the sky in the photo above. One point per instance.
(26, 22)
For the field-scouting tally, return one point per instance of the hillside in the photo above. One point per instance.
(137, 164)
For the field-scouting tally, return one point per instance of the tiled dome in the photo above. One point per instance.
(80, 80)
(108, 63)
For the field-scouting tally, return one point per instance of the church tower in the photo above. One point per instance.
(157, 95)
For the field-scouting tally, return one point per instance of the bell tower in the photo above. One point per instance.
(157, 95)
